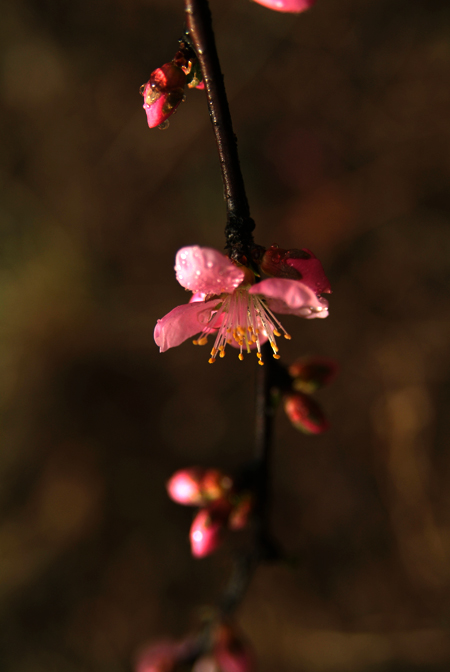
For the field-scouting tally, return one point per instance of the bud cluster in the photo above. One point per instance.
(165, 89)
(224, 650)
(306, 376)
(222, 505)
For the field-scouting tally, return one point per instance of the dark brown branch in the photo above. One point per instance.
(238, 231)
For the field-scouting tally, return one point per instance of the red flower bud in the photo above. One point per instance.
(295, 6)
(241, 512)
(159, 657)
(198, 486)
(207, 528)
(163, 93)
(296, 265)
(305, 414)
(312, 373)
(231, 652)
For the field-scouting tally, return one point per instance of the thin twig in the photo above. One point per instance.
(239, 227)
(239, 242)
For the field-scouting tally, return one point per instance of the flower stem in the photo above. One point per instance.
(239, 227)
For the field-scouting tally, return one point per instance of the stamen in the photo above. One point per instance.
(242, 320)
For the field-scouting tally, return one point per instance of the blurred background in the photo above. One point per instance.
(342, 116)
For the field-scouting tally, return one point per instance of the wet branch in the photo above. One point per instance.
(239, 242)
(239, 227)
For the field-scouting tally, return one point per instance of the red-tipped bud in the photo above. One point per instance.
(160, 657)
(163, 93)
(207, 529)
(296, 265)
(232, 653)
(294, 6)
(241, 512)
(198, 486)
(305, 414)
(312, 373)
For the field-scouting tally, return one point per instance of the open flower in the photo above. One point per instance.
(226, 302)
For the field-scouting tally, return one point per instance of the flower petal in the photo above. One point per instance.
(203, 269)
(312, 273)
(292, 297)
(182, 322)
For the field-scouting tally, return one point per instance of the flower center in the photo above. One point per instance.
(245, 321)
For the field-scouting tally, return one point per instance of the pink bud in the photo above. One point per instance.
(312, 373)
(305, 414)
(163, 93)
(295, 6)
(207, 529)
(160, 657)
(231, 652)
(241, 512)
(184, 486)
(198, 486)
(300, 265)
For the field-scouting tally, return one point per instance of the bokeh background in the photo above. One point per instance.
(342, 116)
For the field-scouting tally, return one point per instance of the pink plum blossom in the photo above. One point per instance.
(295, 6)
(228, 303)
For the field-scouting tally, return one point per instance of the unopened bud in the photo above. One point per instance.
(296, 265)
(241, 512)
(232, 652)
(294, 6)
(312, 373)
(163, 93)
(305, 414)
(207, 529)
(198, 486)
(160, 657)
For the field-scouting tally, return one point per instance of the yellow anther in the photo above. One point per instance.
(276, 356)
(211, 360)
(202, 341)
(275, 347)
(195, 342)
(241, 356)
(222, 353)
(254, 339)
(288, 337)
(260, 362)
(276, 333)
(259, 355)
(229, 341)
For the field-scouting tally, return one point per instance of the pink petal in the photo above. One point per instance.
(292, 297)
(287, 5)
(203, 269)
(181, 323)
(312, 273)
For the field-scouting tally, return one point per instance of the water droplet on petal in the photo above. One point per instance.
(197, 272)
(209, 264)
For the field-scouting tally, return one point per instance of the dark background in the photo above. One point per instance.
(342, 116)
